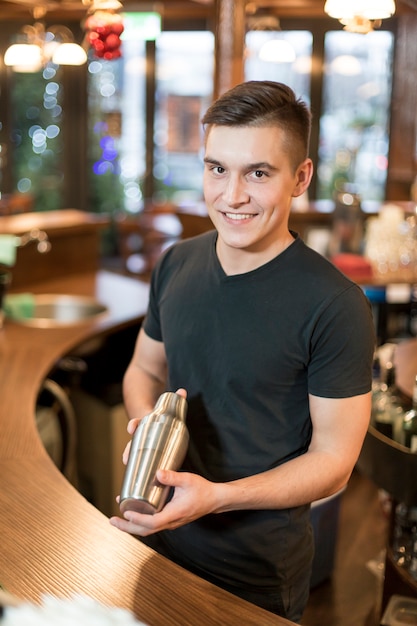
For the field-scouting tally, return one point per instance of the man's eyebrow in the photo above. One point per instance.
(261, 165)
(208, 159)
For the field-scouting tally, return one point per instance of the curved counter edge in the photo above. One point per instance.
(53, 540)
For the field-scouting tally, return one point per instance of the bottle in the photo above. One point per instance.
(388, 411)
(410, 423)
(348, 222)
(403, 534)
(159, 442)
(413, 559)
(5, 278)
(379, 387)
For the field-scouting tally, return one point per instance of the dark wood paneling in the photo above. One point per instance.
(75, 9)
(402, 155)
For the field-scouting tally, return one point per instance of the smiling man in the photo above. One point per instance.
(273, 346)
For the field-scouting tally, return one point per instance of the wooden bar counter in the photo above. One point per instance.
(52, 540)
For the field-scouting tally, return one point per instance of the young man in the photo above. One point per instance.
(273, 346)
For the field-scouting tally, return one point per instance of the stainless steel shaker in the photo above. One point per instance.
(159, 442)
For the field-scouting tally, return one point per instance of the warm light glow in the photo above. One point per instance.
(368, 9)
(105, 5)
(69, 54)
(277, 51)
(346, 64)
(37, 47)
(24, 57)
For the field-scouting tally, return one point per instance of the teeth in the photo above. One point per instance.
(238, 216)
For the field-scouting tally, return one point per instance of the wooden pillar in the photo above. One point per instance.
(75, 130)
(403, 132)
(148, 181)
(229, 45)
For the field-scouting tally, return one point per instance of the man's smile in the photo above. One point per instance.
(239, 216)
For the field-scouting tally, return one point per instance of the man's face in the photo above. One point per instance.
(248, 187)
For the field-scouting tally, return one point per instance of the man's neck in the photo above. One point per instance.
(241, 261)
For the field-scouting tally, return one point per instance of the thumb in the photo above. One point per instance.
(182, 392)
(167, 477)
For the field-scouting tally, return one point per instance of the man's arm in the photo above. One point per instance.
(339, 427)
(144, 379)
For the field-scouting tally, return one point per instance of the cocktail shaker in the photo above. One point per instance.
(159, 442)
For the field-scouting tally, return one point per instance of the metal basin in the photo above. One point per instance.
(54, 311)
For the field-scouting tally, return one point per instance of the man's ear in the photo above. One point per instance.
(303, 177)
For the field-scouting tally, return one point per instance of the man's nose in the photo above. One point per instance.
(235, 192)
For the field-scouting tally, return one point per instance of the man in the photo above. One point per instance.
(274, 348)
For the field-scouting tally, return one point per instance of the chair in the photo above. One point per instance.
(142, 239)
(193, 224)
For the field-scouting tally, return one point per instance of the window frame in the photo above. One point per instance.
(402, 149)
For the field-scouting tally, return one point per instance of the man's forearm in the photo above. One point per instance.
(140, 391)
(305, 479)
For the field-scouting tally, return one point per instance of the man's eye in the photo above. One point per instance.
(218, 169)
(259, 174)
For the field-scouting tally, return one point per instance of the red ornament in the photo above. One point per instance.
(112, 42)
(117, 28)
(103, 33)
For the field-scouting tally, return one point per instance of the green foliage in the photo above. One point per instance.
(37, 166)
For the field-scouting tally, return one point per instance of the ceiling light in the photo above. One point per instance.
(36, 46)
(360, 16)
(69, 54)
(105, 5)
(24, 57)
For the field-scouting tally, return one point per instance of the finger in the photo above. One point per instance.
(129, 527)
(132, 425)
(126, 453)
(144, 524)
(181, 392)
(168, 477)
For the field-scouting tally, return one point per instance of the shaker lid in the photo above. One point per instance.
(172, 403)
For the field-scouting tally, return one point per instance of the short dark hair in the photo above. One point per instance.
(265, 103)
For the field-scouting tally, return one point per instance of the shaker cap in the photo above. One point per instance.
(172, 403)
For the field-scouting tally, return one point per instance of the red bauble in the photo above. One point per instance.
(103, 30)
(92, 36)
(109, 55)
(112, 42)
(103, 33)
(117, 28)
(98, 45)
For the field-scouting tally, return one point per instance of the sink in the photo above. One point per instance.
(54, 311)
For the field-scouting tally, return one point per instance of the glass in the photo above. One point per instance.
(36, 106)
(296, 74)
(116, 127)
(184, 86)
(391, 243)
(117, 121)
(354, 133)
(5, 277)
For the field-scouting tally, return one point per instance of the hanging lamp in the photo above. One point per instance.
(360, 16)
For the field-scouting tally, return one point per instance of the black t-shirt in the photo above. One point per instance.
(249, 349)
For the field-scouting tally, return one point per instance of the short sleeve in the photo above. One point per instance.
(342, 346)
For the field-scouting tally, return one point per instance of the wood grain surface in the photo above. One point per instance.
(52, 540)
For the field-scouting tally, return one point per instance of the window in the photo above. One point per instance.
(116, 102)
(351, 115)
(117, 121)
(355, 115)
(37, 142)
(184, 62)
(295, 72)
